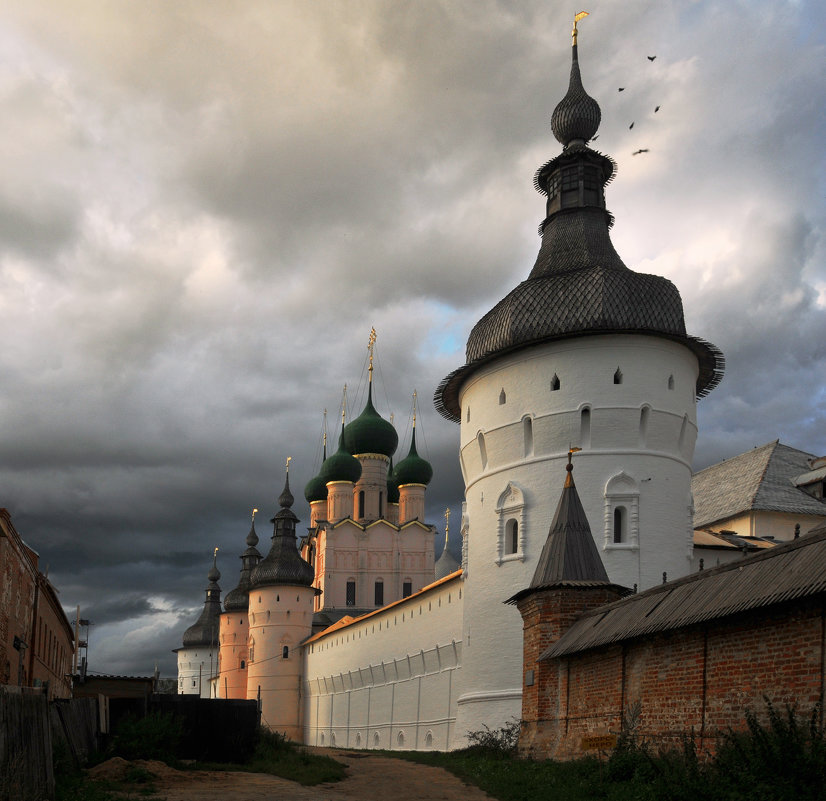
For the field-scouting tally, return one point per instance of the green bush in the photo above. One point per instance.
(500, 743)
(155, 736)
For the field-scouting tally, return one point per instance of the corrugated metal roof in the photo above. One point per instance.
(762, 479)
(785, 572)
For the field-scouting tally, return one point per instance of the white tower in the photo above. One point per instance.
(198, 659)
(280, 619)
(583, 353)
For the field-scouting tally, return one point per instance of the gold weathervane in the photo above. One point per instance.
(289, 459)
(577, 18)
(253, 514)
(371, 343)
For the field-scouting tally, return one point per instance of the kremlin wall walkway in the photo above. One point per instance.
(369, 778)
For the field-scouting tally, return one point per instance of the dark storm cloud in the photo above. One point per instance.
(206, 208)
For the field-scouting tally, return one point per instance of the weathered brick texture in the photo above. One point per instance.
(698, 679)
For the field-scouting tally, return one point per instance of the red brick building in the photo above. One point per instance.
(36, 639)
(688, 656)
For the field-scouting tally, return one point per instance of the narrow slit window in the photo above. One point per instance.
(555, 383)
(285, 652)
(618, 376)
(378, 593)
(502, 397)
(483, 452)
(527, 431)
(351, 593)
(619, 524)
(671, 382)
(585, 428)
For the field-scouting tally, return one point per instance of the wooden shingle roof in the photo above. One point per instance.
(762, 479)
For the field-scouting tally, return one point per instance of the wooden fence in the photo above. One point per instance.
(30, 729)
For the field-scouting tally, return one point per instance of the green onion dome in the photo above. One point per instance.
(392, 486)
(316, 489)
(370, 432)
(341, 466)
(413, 469)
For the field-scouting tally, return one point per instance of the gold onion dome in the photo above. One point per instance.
(370, 432)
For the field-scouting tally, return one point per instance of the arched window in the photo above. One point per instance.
(376, 740)
(381, 503)
(407, 587)
(671, 382)
(511, 536)
(468, 414)
(502, 397)
(350, 597)
(510, 509)
(622, 504)
(555, 383)
(585, 428)
(483, 452)
(243, 665)
(428, 740)
(645, 413)
(378, 592)
(620, 514)
(618, 376)
(285, 652)
(361, 504)
(527, 435)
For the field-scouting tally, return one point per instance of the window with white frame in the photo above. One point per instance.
(510, 511)
(622, 506)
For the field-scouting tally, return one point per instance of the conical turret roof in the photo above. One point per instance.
(237, 600)
(204, 632)
(283, 564)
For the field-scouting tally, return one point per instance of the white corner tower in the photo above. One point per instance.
(584, 353)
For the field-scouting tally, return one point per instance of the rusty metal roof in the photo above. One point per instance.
(786, 572)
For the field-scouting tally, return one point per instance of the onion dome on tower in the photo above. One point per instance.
(283, 564)
(392, 485)
(205, 631)
(370, 432)
(237, 600)
(413, 469)
(316, 487)
(342, 465)
(579, 286)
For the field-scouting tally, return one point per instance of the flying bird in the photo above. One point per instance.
(656, 109)
(630, 126)
(621, 89)
(651, 58)
(641, 150)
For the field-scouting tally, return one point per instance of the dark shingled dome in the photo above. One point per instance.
(237, 600)
(283, 564)
(204, 632)
(579, 285)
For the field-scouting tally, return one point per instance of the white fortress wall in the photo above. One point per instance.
(389, 679)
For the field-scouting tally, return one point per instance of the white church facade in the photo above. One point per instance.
(359, 639)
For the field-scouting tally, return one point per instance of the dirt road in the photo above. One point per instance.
(369, 778)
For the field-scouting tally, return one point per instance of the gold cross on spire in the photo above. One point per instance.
(447, 524)
(253, 514)
(577, 18)
(343, 403)
(289, 459)
(415, 395)
(371, 343)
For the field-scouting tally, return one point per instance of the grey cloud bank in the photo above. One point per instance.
(206, 208)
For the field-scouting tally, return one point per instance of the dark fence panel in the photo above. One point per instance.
(26, 772)
(76, 721)
(215, 729)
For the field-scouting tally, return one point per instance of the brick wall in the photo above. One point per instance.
(698, 679)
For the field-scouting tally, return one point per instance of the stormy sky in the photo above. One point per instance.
(205, 207)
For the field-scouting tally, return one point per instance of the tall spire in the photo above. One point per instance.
(446, 563)
(237, 600)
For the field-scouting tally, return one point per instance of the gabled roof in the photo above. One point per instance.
(762, 479)
(794, 570)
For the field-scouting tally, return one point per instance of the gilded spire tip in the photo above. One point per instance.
(577, 18)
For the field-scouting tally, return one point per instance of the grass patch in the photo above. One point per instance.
(781, 760)
(278, 756)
